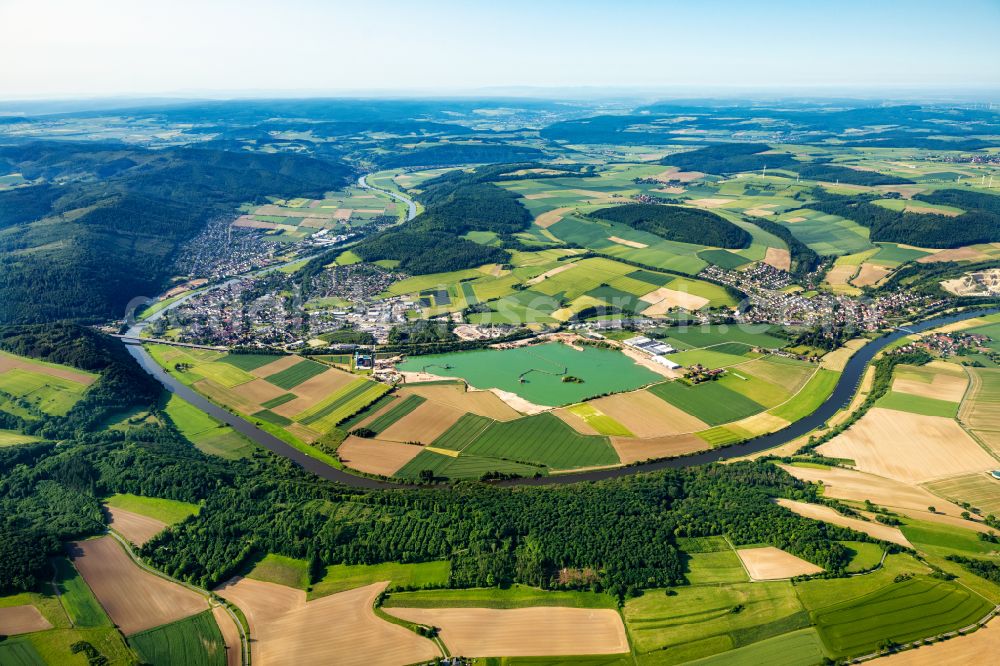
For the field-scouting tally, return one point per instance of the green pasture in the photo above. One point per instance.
(698, 621)
(543, 439)
(193, 641)
(207, 434)
(900, 612)
(810, 397)
(515, 596)
(282, 570)
(53, 395)
(12, 438)
(828, 234)
(917, 404)
(687, 337)
(721, 566)
(796, 648)
(864, 555)
(341, 577)
(542, 369)
(711, 402)
(291, 377)
(893, 255)
(166, 510)
(78, 601)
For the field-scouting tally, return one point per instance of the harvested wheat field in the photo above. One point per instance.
(778, 258)
(523, 632)
(982, 409)
(980, 647)
(851, 485)
(258, 391)
(424, 424)
(674, 173)
(829, 515)
(134, 599)
(247, 222)
(837, 359)
(840, 275)
(932, 381)
(627, 243)
(21, 620)
(663, 299)
(133, 526)
(908, 447)
(957, 254)
(758, 424)
(483, 403)
(870, 274)
(770, 563)
(376, 456)
(633, 449)
(575, 422)
(712, 202)
(277, 365)
(230, 636)
(340, 628)
(548, 218)
(225, 396)
(645, 415)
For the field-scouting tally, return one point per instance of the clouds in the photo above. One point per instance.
(103, 47)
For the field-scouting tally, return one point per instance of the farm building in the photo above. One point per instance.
(666, 362)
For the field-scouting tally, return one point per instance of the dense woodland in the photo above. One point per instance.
(678, 223)
(81, 250)
(461, 153)
(728, 158)
(980, 223)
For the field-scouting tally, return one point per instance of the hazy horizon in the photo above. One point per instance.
(62, 49)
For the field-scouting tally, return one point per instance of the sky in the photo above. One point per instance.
(94, 48)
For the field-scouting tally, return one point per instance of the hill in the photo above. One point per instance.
(678, 223)
(104, 222)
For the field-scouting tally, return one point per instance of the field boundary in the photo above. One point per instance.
(212, 602)
(913, 645)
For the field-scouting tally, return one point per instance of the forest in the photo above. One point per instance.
(727, 158)
(448, 154)
(110, 233)
(678, 223)
(455, 204)
(835, 173)
(976, 225)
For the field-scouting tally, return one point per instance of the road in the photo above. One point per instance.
(842, 394)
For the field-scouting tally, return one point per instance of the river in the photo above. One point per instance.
(842, 394)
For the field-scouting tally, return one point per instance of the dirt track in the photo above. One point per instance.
(523, 632)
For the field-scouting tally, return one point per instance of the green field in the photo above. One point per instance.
(828, 234)
(812, 395)
(346, 402)
(515, 596)
(544, 439)
(54, 396)
(465, 466)
(12, 438)
(542, 367)
(291, 377)
(205, 432)
(687, 337)
(395, 413)
(599, 421)
(901, 612)
(79, 602)
(282, 570)
(698, 621)
(341, 577)
(194, 641)
(918, 404)
(722, 566)
(248, 362)
(463, 432)
(796, 648)
(864, 555)
(711, 402)
(166, 510)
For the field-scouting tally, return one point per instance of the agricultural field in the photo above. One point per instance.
(134, 599)
(343, 577)
(195, 640)
(49, 389)
(290, 630)
(300, 399)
